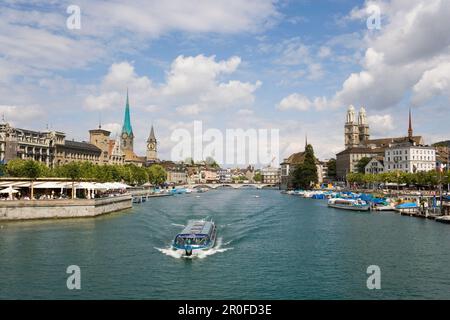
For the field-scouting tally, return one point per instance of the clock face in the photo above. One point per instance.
(151, 145)
(124, 135)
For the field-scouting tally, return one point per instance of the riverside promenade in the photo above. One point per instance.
(62, 208)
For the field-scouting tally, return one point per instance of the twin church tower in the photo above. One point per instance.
(356, 132)
(127, 141)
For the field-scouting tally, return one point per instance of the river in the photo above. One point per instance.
(270, 246)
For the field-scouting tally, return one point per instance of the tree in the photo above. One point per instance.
(14, 168)
(305, 174)
(257, 177)
(33, 170)
(139, 174)
(362, 163)
(189, 160)
(331, 164)
(211, 162)
(73, 171)
(157, 175)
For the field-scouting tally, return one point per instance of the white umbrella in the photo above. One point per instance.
(9, 190)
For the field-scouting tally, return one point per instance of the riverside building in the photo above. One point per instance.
(358, 144)
(52, 148)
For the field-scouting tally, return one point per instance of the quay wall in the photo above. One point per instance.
(67, 208)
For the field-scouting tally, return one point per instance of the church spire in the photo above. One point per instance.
(306, 140)
(151, 137)
(410, 130)
(126, 128)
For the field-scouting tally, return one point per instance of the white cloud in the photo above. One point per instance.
(153, 18)
(188, 110)
(380, 124)
(295, 101)
(204, 70)
(324, 52)
(43, 43)
(302, 103)
(20, 113)
(408, 55)
(104, 101)
(114, 128)
(245, 112)
(434, 82)
(192, 83)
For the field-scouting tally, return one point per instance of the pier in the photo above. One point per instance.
(62, 208)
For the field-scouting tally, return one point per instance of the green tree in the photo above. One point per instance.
(157, 175)
(32, 170)
(257, 177)
(14, 168)
(73, 171)
(331, 164)
(140, 175)
(305, 174)
(361, 165)
(211, 162)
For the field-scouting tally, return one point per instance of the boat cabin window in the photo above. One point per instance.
(191, 240)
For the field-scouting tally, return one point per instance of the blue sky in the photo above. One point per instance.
(295, 66)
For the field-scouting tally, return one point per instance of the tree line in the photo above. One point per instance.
(128, 173)
(422, 178)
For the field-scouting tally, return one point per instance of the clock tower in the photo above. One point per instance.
(127, 135)
(152, 154)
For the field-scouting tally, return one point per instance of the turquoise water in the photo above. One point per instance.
(270, 247)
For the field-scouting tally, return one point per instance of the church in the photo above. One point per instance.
(358, 144)
(121, 150)
(127, 142)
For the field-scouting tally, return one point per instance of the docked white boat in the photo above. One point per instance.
(349, 204)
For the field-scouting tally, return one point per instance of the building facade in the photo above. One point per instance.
(409, 157)
(359, 145)
(347, 160)
(49, 147)
(270, 175)
(375, 166)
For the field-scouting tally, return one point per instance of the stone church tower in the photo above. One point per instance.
(351, 129)
(152, 144)
(356, 132)
(363, 126)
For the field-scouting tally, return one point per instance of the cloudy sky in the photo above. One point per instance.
(288, 65)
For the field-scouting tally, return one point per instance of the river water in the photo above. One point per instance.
(270, 246)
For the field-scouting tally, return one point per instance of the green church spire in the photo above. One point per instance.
(126, 121)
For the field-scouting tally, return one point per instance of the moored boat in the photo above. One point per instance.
(349, 204)
(407, 207)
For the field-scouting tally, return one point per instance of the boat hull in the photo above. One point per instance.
(383, 208)
(347, 207)
(193, 250)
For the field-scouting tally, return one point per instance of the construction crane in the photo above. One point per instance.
(271, 162)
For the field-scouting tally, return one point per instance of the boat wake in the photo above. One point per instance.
(178, 225)
(201, 254)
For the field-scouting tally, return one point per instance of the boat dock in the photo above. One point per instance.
(140, 196)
